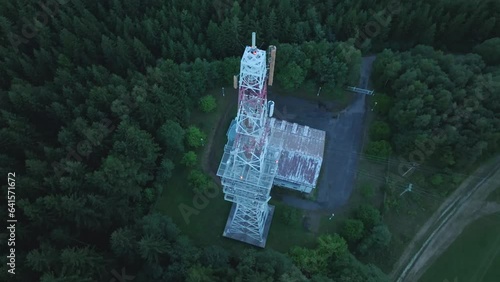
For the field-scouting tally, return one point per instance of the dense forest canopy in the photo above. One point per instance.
(450, 104)
(96, 99)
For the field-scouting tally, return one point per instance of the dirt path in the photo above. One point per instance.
(465, 205)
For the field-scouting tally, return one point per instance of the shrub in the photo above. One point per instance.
(380, 148)
(380, 131)
(208, 103)
(352, 230)
(195, 137)
(369, 215)
(189, 159)
(290, 216)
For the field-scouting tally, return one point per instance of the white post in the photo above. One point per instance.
(412, 167)
(407, 189)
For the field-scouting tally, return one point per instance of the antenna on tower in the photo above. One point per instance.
(272, 59)
(253, 39)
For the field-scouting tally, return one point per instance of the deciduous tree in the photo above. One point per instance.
(195, 137)
(189, 159)
(369, 215)
(352, 230)
(208, 103)
(171, 136)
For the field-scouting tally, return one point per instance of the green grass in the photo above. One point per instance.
(309, 90)
(474, 256)
(206, 227)
(330, 226)
(208, 122)
(178, 193)
(495, 196)
(282, 236)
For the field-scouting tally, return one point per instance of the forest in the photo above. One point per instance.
(96, 100)
(451, 100)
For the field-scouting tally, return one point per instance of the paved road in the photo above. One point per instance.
(344, 136)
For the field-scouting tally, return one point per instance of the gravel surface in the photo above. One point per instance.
(344, 135)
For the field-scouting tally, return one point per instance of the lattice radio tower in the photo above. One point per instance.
(249, 166)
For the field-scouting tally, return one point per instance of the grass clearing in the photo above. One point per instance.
(339, 97)
(284, 235)
(473, 256)
(330, 226)
(206, 224)
(208, 122)
(206, 227)
(405, 213)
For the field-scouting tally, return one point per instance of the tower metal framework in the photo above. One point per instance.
(249, 164)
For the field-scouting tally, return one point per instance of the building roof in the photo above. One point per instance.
(302, 151)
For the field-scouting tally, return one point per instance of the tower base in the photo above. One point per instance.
(244, 237)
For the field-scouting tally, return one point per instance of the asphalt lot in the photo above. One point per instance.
(344, 135)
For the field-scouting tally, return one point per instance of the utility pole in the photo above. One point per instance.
(318, 91)
(374, 106)
(331, 216)
(222, 91)
(407, 189)
(413, 165)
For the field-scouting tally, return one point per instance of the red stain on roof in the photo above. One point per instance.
(298, 168)
(302, 151)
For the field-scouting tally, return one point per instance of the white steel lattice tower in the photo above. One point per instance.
(248, 166)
